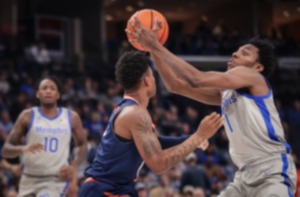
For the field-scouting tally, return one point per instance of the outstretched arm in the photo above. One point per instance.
(178, 78)
(147, 143)
(12, 147)
(182, 78)
(176, 73)
(169, 141)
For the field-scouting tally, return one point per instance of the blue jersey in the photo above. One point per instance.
(116, 162)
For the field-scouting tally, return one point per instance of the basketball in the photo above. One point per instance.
(147, 18)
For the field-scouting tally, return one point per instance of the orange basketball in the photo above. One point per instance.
(147, 18)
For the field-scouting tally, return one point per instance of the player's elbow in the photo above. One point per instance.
(156, 165)
(177, 86)
(5, 153)
(158, 169)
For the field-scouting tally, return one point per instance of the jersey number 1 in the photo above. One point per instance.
(51, 144)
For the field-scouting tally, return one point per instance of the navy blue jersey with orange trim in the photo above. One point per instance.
(116, 162)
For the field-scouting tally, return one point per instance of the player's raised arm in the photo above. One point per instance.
(177, 74)
(159, 160)
(13, 146)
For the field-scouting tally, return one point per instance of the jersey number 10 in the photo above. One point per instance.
(51, 144)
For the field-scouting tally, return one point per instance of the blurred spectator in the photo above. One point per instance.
(215, 174)
(141, 188)
(89, 91)
(39, 59)
(191, 117)
(94, 126)
(212, 153)
(194, 175)
(293, 119)
(199, 192)
(5, 126)
(188, 191)
(4, 84)
(39, 53)
(27, 87)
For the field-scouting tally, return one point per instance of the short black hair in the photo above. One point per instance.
(52, 78)
(130, 68)
(265, 54)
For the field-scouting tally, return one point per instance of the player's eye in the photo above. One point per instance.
(245, 53)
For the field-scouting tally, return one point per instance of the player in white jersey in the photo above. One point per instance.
(47, 130)
(256, 137)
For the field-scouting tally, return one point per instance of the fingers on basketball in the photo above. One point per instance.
(150, 20)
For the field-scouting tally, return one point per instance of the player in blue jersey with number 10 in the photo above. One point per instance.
(47, 130)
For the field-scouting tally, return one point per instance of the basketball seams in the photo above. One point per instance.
(162, 35)
(137, 16)
(151, 19)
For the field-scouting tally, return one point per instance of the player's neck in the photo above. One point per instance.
(139, 98)
(49, 110)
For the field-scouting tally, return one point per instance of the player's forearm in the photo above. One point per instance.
(176, 67)
(80, 155)
(174, 155)
(12, 151)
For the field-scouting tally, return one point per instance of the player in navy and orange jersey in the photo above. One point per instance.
(129, 139)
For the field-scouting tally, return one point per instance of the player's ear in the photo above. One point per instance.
(58, 95)
(146, 79)
(37, 95)
(259, 67)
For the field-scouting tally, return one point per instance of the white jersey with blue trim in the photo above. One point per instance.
(55, 134)
(253, 127)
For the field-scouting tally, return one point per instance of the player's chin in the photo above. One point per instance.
(153, 94)
(48, 101)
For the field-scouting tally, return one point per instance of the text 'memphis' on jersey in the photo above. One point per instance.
(55, 134)
(253, 127)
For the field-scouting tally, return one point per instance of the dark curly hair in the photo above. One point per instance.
(130, 68)
(52, 78)
(265, 54)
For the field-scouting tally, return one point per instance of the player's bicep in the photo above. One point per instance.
(77, 129)
(145, 139)
(208, 96)
(233, 79)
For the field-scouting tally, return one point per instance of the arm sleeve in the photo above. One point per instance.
(167, 142)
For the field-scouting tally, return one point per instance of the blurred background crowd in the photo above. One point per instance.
(90, 89)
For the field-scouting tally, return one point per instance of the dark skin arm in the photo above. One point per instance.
(191, 82)
(134, 122)
(12, 147)
(70, 172)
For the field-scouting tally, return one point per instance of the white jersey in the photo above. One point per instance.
(253, 127)
(55, 133)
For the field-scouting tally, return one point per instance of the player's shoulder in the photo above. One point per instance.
(247, 73)
(244, 70)
(72, 113)
(241, 69)
(26, 115)
(133, 112)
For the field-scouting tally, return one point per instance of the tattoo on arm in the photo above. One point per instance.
(151, 149)
(177, 153)
(145, 135)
